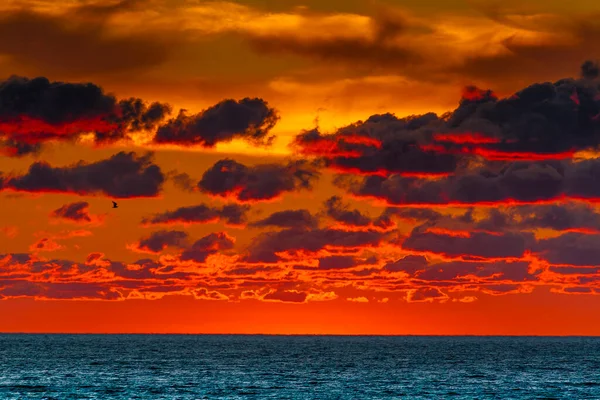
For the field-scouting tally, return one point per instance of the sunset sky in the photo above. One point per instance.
(300, 166)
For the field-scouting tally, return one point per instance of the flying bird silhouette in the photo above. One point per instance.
(115, 205)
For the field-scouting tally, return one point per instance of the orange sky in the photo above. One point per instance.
(482, 221)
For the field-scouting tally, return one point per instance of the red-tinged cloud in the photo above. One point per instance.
(234, 214)
(228, 178)
(286, 296)
(206, 246)
(59, 291)
(542, 122)
(475, 244)
(77, 212)
(426, 294)
(295, 219)
(160, 240)
(408, 264)
(45, 244)
(206, 294)
(123, 175)
(340, 212)
(576, 290)
(511, 183)
(338, 262)
(513, 271)
(249, 119)
(265, 246)
(37, 110)
(575, 217)
(381, 145)
(572, 248)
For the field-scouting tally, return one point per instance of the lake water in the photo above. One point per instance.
(297, 367)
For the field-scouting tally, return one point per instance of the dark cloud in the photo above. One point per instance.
(338, 262)
(234, 214)
(266, 245)
(37, 110)
(59, 291)
(121, 176)
(77, 212)
(425, 294)
(249, 119)
(542, 122)
(160, 240)
(255, 183)
(516, 271)
(206, 246)
(337, 210)
(469, 245)
(561, 217)
(381, 145)
(82, 40)
(409, 264)
(183, 181)
(589, 70)
(16, 148)
(298, 219)
(514, 182)
(571, 248)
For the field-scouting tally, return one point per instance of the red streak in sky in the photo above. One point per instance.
(448, 232)
(34, 130)
(385, 173)
(464, 138)
(497, 155)
(508, 202)
(473, 93)
(359, 139)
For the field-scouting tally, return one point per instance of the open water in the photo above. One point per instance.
(297, 367)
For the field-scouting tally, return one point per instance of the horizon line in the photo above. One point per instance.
(298, 334)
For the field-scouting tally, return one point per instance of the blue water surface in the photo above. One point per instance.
(297, 367)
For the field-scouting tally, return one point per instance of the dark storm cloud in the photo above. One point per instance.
(121, 176)
(234, 214)
(299, 219)
(206, 246)
(255, 183)
(36, 110)
(521, 182)
(544, 121)
(77, 212)
(249, 119)
(160, 240)
(15, 148)
(381, 145)
(82, 40)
